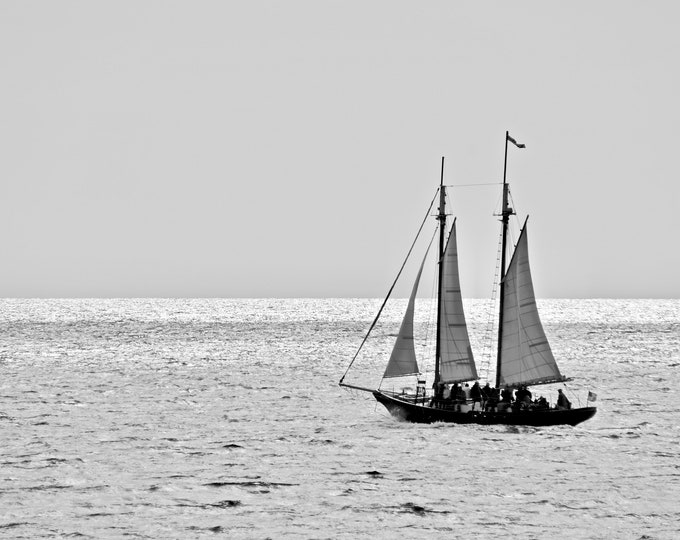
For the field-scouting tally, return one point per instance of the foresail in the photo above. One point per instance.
(456, 360)
(403, 358)
(525, 356)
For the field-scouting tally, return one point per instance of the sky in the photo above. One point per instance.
(291, 149)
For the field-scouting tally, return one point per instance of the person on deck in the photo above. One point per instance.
(527, 394)
(454, 392)
(438, 388)
(562, 402)
(523, 398)
(476, 395)
(494, 398)
(460, 397)
(436, 394)
(486, 394)
(447, 393)
(506, 399)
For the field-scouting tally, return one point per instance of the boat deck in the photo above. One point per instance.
(422, 412)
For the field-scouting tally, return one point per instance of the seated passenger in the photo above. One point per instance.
(493, 399)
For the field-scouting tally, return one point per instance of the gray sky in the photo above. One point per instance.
(198, 148)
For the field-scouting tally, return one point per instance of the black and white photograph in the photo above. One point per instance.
(322, 269)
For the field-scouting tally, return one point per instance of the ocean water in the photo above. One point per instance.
(223, 418)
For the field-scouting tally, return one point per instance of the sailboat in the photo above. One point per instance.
(524, 358)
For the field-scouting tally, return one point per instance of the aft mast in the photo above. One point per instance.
(506, 212)
(442, 234)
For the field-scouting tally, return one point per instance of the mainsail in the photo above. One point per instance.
(525, 355)
(403, 358)
(456, 360)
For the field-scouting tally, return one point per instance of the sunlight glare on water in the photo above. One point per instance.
(191, 418)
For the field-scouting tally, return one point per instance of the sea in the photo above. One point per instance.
(223, 418)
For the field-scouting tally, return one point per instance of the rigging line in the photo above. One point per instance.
(492, 310)
(427, 214)
(497, 205)
(518, 221)
(431, 339)
(475, 185)
(431, 329)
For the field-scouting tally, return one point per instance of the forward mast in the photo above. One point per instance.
(441, 217)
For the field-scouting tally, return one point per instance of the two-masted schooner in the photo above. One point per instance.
(523, 359)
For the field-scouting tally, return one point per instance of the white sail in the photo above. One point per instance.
(403, 358)
(456, 360)
(525, 355)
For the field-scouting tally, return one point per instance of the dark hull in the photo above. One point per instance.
(424, 414)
